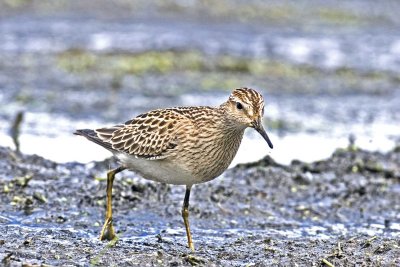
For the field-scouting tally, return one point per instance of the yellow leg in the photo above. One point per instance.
(185, 216)
(107, 232)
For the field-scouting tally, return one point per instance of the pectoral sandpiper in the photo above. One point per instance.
(181, 145)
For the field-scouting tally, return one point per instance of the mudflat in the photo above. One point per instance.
(340, 211)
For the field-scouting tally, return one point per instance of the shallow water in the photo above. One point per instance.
(319, 126)
(364, 48)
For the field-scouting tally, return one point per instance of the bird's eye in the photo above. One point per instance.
(239, 105)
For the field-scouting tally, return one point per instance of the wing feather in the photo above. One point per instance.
(150, 135)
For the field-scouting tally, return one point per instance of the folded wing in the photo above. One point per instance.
(150, 135)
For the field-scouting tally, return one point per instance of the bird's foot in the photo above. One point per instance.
(191, 246)
(107, 232)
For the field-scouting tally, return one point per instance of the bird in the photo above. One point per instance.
(179, 145)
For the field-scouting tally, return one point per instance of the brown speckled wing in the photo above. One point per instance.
(150, 135)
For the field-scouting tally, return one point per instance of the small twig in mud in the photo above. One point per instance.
(110, 244)
(15, 129)
(339, 250)
(23, 181)
(270, 248)
(100, 179)
(40, 197)
(6, 259)
(369, 241)
(194, 260)
(224, 210)
(352, 239)
(159, 238)
(327, 263)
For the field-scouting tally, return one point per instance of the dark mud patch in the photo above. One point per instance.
(341, 211)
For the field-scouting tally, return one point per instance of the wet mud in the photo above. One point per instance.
(342, 211)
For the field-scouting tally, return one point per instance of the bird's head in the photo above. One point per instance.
(246, 109)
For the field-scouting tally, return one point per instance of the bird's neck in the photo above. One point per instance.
(232, 131)
(229, 123)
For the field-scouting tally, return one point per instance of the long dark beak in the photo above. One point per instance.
(259, 128)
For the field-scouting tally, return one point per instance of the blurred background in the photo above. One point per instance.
(329, 70)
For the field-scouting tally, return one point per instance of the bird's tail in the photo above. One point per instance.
(91, 135)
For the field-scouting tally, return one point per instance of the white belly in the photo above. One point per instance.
(160, 170)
